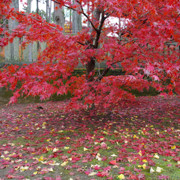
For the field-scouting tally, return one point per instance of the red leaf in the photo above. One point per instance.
(113, 162)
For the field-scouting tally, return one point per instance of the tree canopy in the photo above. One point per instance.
(144, 44)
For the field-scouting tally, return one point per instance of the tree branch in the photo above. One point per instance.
(80, 43)
(99, 30)
(106, 70)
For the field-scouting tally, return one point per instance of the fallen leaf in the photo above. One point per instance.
(159, 169)
(121, 176)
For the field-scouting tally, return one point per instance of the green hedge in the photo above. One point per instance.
(114, 72)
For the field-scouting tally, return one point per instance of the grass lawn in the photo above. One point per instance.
(138, 141)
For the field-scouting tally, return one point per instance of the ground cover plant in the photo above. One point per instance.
(138, 141)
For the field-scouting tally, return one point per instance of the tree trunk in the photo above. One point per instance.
(29, 6)
(12, 49)
(59, 15)
(37, 4)
(37, 11)
(47, 10)
(30, 59)
(50, 6)
(90, 66)
(76, 22)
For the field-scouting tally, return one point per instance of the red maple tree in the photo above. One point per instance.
(138, 47)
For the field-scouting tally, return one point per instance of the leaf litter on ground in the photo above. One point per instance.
(138, 141)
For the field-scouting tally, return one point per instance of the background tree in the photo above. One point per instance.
(59, 18)
(12, 50)
(37, 6)
(138, 45)
(30, 45)
(76, 21)
(48, 10)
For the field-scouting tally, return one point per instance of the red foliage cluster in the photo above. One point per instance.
(139, 45)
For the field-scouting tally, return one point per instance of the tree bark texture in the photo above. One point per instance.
(12, 49)
(59, 15)
(90, 66)
(76, 22)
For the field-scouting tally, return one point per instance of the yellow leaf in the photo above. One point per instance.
(35, 172)
(151, 170)
(105, 132)
(140, 153)
(50, 169)
(130, 159)
(159, 169)
(156, 156)
(135, 136)
(113, 155)
(48, 149)
(92, 174)
(98, 157)
(41, 158)
(64, 163)
(55, 149)
(121, 176)
(54, 163)
(173, 147)
(6, 152)
(85, 149)
(144, 166)
(24, 168)
(60, 131)
(66, 147)
(38, 168)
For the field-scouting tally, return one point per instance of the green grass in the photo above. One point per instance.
(172, 171)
